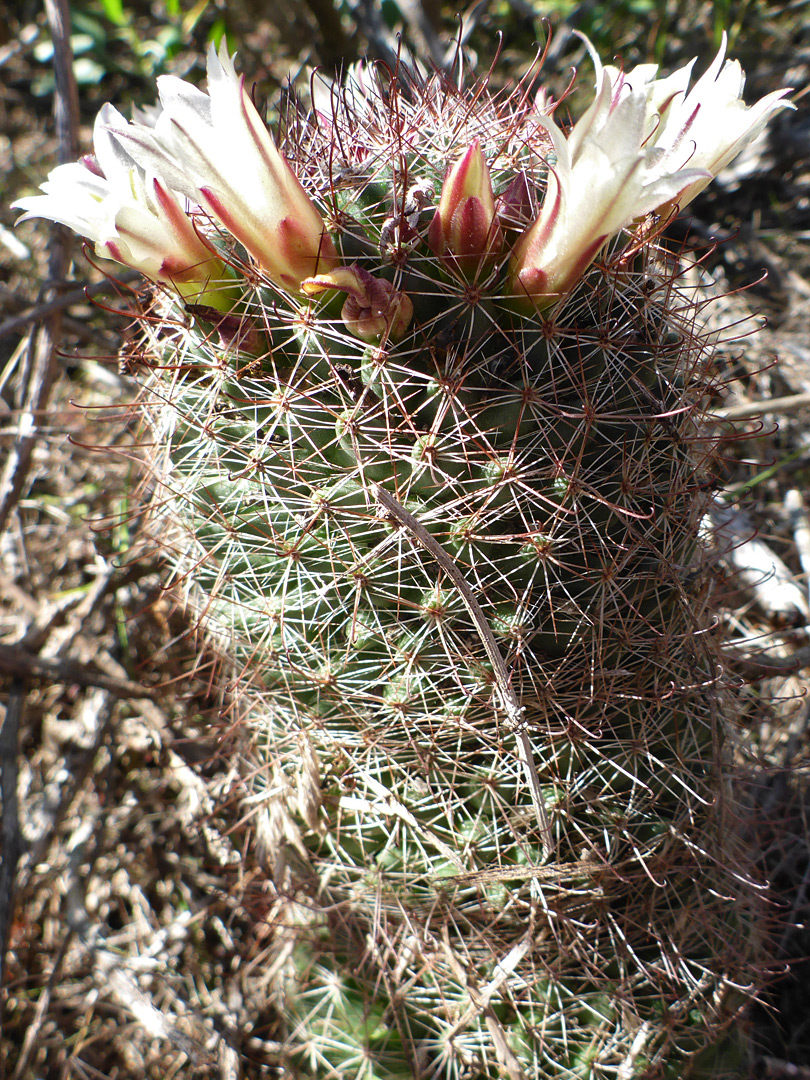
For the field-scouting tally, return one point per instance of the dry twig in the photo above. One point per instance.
(12, 844)
(509, 701)
(750, 409)
(21, 663)
(42, 362)
(78, 295)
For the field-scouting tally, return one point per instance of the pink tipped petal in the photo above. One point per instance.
(473, 230)
(468, 177)
(644, 144)
(91, 163)
(217, 151)
(180, 223)
(296, 250)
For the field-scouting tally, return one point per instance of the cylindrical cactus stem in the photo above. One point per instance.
(433, 479)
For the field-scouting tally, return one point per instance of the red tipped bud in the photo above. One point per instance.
(465, 229)
(373, 309)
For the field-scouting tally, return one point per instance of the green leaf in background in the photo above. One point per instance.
(114, 10)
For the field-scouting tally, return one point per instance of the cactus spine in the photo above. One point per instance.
(440, 508)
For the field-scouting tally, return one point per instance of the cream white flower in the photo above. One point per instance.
(132, 216)
(702, 128)
(216, 150)
(604, 177)
(644, 144)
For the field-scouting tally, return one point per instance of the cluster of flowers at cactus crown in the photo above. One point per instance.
(156, 189)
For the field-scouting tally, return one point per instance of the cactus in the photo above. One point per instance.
(424, 404)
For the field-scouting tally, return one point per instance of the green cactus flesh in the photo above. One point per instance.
(419, 928)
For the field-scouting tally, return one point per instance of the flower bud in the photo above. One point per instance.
(515, 203)
(465, 229)
(238, 333)
(373, 309)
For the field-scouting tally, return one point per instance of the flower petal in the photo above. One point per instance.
(217, 151)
